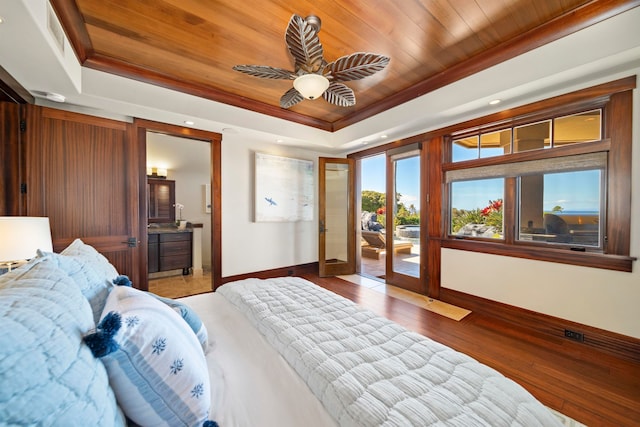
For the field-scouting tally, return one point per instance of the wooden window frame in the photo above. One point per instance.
(615, 99)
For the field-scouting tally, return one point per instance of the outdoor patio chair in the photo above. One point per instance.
(376, 244)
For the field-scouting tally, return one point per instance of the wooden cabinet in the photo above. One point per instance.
(154, 264)
(161, 200)
(170, 251)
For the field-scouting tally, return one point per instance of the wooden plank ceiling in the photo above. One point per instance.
(192, 45)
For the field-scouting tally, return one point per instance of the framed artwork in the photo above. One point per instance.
(284, 189)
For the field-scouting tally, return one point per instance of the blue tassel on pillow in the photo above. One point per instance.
(101, 342)
(122, 280)
(210, 424)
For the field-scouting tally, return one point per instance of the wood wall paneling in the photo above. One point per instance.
(10, 159)
(82, 174)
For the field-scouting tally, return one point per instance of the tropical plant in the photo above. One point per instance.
(374, 201)
(490, 215)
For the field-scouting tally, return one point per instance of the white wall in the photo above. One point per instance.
(189, 192)
(604, 299)
(249, 246)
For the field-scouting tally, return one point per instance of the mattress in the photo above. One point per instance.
(287, 352)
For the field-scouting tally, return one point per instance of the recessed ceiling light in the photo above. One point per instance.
(55, 97)
(189, 123)
(383, 136)
(365, 142)
(495, 102)
(279, 141)
(1, 19)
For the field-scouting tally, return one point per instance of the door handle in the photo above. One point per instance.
(132, 242)
(322, 229)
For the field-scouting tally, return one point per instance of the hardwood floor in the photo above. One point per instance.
(591, 387)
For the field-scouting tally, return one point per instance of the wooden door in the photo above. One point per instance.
(405, 264)
(83, 173)
(336, 217)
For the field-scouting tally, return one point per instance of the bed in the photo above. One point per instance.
(286, 352)
(91, 349)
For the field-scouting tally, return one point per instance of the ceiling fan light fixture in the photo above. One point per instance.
(311, 86)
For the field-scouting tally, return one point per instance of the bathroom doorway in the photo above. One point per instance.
(179, 250)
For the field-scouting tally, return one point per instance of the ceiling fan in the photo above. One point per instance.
(313, 76)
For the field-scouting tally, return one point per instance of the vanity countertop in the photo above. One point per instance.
(167, 229)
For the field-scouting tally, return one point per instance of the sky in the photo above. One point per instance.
(408, 178)
(573, 191)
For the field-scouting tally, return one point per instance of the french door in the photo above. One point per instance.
(392, 241)
(336, 234)
(404, 260)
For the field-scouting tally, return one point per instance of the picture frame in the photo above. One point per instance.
(284, 189)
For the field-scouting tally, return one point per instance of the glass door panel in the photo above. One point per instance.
(372, 216)
(403, 220)
(336, 231)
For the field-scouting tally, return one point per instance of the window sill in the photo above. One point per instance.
(562, 256)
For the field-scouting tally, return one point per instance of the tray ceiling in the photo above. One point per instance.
(192, 45)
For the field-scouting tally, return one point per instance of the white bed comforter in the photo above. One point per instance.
(369, 371)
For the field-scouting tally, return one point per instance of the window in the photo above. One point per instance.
(476, 208)
(485, 145)
(551, 183)
(558, 199)
(562, 208)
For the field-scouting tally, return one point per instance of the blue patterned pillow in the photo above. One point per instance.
(191, 317)
(155, 363)
(186, 312)
(48, 376)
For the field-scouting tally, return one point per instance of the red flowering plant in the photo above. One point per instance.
(492, 214)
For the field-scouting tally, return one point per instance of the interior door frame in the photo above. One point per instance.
(141, 127)
(350, 266)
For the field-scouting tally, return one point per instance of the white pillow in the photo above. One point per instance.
(155, 363)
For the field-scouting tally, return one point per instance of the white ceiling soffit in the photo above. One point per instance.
(602, 52)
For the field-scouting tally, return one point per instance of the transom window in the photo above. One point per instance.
(558, 132)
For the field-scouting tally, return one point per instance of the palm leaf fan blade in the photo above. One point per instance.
(290, 98)
(304, 45)
(356, 66)
(265, 72)
(340, 95)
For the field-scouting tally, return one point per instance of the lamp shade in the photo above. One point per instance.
(311, 86)
(22, 236)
